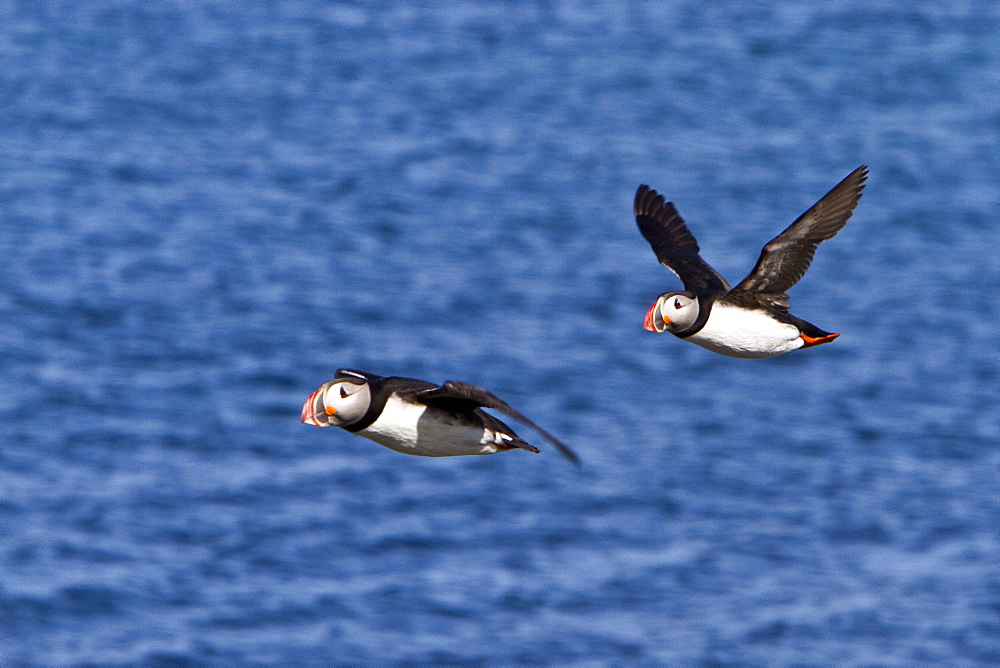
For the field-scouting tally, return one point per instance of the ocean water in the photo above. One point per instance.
(208, 208)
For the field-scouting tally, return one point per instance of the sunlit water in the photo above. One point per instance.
(207, 211)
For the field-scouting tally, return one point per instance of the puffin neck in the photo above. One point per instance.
(705, 302)
(379, 396)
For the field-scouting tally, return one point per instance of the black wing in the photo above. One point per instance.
(785, 259)
(673, 243)
(458, 396)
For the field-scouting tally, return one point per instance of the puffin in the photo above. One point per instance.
(751, 320)
(417, 417)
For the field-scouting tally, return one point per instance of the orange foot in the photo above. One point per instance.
(816, 340)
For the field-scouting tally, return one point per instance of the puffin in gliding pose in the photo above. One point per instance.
(416, 417)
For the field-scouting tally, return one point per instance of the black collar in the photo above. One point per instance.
(379, 395)
(705, 302)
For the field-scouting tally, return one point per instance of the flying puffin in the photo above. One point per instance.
(752, 319)
(419, 418)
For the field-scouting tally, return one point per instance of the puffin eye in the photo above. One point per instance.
(677, 303)
(343, 392)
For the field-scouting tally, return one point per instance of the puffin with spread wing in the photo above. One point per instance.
(752, 319)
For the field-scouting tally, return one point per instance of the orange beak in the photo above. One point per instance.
(655, 321)
(313, 410)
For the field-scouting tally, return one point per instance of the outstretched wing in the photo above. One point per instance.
(673, 243)
(785, 259)
(455, 395)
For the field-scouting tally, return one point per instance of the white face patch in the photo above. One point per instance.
(346, 402)
(681, 310)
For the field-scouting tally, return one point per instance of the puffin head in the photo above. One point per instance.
(672, 312)
(337, 402)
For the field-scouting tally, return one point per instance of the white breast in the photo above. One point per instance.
(739, 332)
(415, 429)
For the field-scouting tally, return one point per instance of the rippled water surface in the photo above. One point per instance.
(209, 208)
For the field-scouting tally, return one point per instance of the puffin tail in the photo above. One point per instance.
(812, 335)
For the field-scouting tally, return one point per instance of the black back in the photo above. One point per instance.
(458, 396)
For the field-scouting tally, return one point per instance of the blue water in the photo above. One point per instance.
(207, 208)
